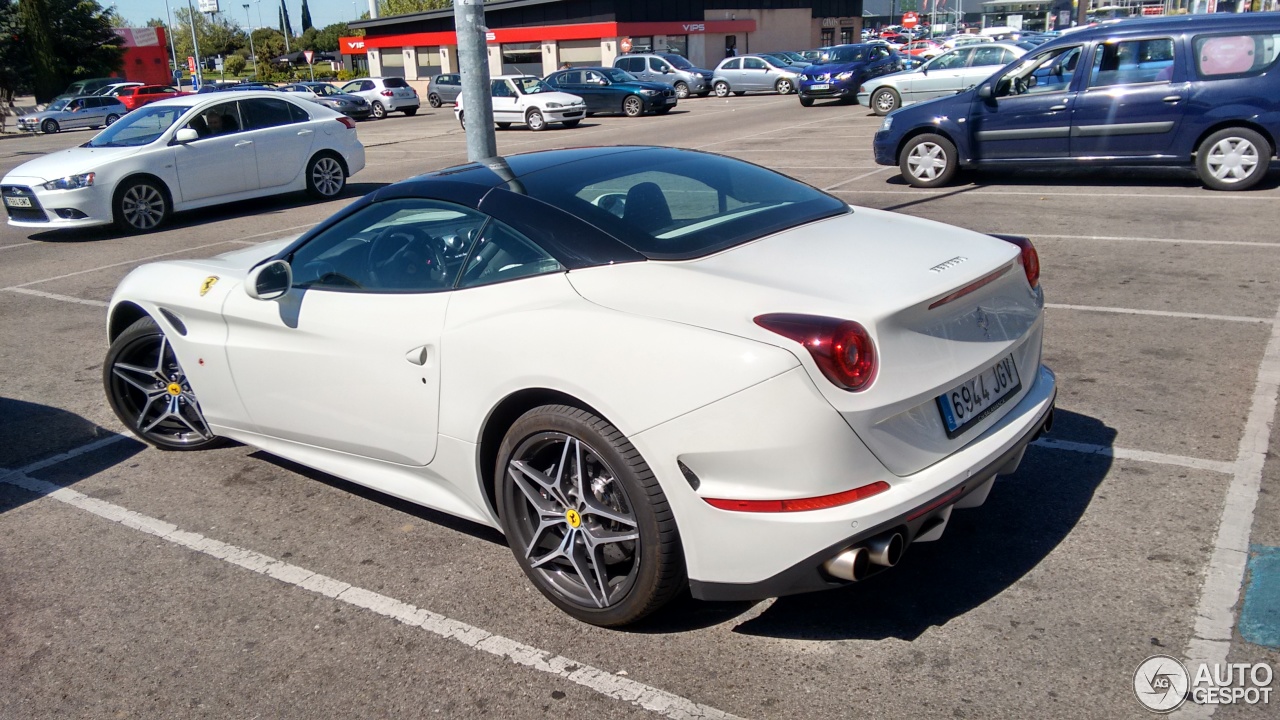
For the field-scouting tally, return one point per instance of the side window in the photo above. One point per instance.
(952, 60)
(1048, 71)
(632, 64)
(1235, 55)
(575, 77)
(220, 119)
(260, 113)
(367, 85)
(500, 88)
(1131, 62)
(351, 87)
(658, 66)
(297, 114)
(396, 246)
(1007, 57)
(988, 56)
(504, 254)
(732, 64)
(753, 64)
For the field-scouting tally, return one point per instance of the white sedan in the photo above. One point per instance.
(529, 100)
(646, 366)
(184, 153)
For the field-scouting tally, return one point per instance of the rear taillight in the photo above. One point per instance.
(386, 93)
(351, 124)
(801, 504)
(1030, 259)
(842, 349)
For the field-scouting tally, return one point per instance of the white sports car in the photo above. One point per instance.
(646, 366)
(184, 153)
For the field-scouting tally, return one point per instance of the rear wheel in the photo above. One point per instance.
(379, 111)
(112, 118)
(682, 90)
(149, 391)
(49, 126)
(928, 161)
(632, 106)
(1233, 159)
(535, 120)
(784, 86)
(585, 518)
(806, 101)
(140, 206)
(325, 177)
(885, 101)
(722, 89)
(434, 100)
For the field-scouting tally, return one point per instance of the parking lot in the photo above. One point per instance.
(231, 584)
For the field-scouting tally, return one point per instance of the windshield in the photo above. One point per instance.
(677, 60)
(531, 85)
(618, 76)
(58, 104)
(773, 61)
(844, 54)
(140, 127)
(674, 204)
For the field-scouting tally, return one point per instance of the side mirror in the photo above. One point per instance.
(924, 69)
(269, 280)
(985, 92)
(186, 135)
(666, 71)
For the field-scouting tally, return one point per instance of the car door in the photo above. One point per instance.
(1133, 100)
(594, 88)
(881, 61)
(755, 75)
(983, 63)
(731, 70)
(659, 69)
(1025, 118)
(506, 102)
(282, 135)
(940, 76)
(349, 359)
(220, 161)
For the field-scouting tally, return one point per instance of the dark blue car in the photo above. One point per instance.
(844, 68)
(1191, 90)
(610, 90)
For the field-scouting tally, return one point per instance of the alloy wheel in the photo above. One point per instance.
(143, 206)
(153, 396)
(327, 176)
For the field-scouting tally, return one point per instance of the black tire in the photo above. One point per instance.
(326, 176)
(806, 101)
(632, 106)
(140, 206)
(640, 573)
(721, 88)
(739, 93)
(535, 120)
(884, 101)
(571, 123)
(149, 391)
(462, 119)
(434, 100)
(410, 112)
(49, 127)
(784, 86)
(503, 125)
(1233, 159)
(379, 111)
(662, 110)
(682, 90)
(704, 93)
(928, 161)
(112, 118)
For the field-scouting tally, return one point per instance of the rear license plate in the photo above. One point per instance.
(17, 202)
(976, 398)
(820, 86)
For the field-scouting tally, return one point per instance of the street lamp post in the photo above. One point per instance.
(169, 31)
(252, 52)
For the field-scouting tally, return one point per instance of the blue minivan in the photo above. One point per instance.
(1191, 90)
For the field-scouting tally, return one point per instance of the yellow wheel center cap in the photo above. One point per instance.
(174, 389)
(573, 518)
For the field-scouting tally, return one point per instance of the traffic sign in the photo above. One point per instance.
(309, 55)
(910, 20)
(191, 64)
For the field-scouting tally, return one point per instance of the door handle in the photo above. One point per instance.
(418, 355)
(305, 132)
(1057, 107)
(242, 143)
(1172, 98)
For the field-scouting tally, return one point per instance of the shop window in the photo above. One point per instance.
(579, 52)
(428, 61)
(522, 58)
(678, 44)
(846, 35)
(642, 44)
(828, 37)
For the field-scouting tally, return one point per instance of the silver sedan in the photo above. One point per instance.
(946, 74)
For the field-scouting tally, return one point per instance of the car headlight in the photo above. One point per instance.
(554, 105)
(845, 75)
(888, 123)
(648, 91)
(70, 182)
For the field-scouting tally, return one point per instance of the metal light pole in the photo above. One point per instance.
(168, 30)
(198, 77)
(473, 64)
(252, 52)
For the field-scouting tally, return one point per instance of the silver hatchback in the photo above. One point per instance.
(385, 95)
(754, 73)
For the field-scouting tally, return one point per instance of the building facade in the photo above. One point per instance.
(537, 36)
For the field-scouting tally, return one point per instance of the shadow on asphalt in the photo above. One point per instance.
(217, 213)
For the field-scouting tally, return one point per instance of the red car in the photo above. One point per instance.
(135, 97)
(917, 48)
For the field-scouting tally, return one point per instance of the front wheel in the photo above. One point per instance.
(1233, 159)
(928, 161)
(326, 177)
(632, 106)
(806, 101)
(682, 90)
(722, 89)
(784, 86)
(140, 206)
(585, 517)
(149, 391)
(535, 120)
(885, 101)
(379, 111)
(49, 127)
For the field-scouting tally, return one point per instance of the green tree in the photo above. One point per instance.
(15, 56)
(86, 46)
(235, 64)
(308, 39)
(286, 26)
(306, 17)
(327, 37)
(269, 43)
(404, 7)
(217, 37)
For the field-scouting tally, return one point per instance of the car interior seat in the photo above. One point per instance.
(646, 208)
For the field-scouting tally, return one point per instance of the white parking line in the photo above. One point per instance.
(1219, 466)
(18, 245)
(55, 296)
(829, 188)
(126, 262)
(612, 686)
(1160, 313)
(1174, 241)
(1216, 611)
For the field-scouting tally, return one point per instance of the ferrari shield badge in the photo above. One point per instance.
(208, 284)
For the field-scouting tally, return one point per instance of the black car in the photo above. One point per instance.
(610, 90)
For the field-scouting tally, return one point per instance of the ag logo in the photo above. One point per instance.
(1161, 683)
(208, 284)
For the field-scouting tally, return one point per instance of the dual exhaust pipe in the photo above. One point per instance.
(852, 564)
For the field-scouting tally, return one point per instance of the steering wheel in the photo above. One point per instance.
(406, 258)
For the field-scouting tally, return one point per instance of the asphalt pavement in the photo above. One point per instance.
(232, 584)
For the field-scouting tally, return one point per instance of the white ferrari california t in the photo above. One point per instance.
(184, 153)
(648, 367)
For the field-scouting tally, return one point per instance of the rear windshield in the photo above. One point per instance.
(677, 205)
(394, 82)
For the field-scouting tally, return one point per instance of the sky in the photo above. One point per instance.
(323, 12)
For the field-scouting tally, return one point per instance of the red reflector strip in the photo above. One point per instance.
(972, 286)
(945, 499)
(801, 504)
